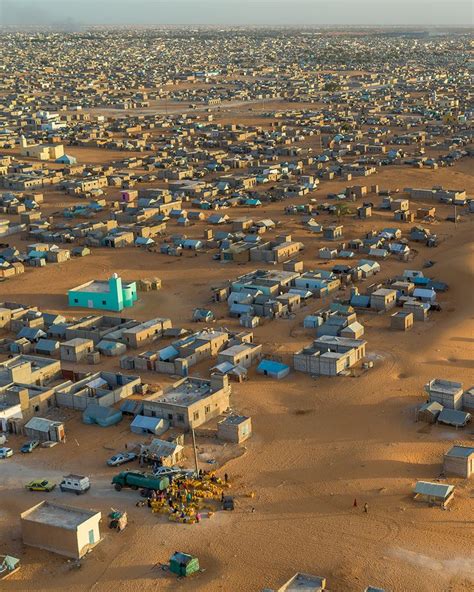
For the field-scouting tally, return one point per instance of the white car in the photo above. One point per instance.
(120, 458)
(173, 472)
(5, 452)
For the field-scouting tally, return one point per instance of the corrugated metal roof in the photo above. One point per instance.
(460, 451)
(40, 424)
(131, 406)
(440, 490)
(47, 345)
(454, 417)
(168, 353)
(147, 423)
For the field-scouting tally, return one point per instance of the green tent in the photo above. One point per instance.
(183, 564)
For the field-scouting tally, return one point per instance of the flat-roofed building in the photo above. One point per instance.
(190, 402)
(446, 392)
(234, 428)
(64, 530)
(329, 355)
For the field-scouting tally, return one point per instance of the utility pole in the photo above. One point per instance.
(195, 452)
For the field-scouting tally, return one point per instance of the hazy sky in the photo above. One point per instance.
(237, 12)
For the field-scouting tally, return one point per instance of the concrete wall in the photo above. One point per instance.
(83, 541)
(447, 400)
(52, 538)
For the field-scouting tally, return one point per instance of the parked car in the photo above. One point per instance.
(121, 458)
(5, 452)
(173, 472)
(29, 446)
(40, 485)
(75, 484)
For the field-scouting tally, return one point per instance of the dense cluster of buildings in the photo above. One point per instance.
(138, 151)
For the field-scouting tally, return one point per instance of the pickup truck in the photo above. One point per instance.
(136, 480)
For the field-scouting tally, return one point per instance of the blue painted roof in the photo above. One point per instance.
(461, 451)
(360, 300)
(168, 353)
(145, 422)
(31, 333)
(434, 489)
(420, 281)
(47, 345)
(272, 366)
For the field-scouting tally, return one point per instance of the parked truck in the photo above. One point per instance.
(135, 480)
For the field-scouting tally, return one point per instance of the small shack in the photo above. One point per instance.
(439, 494)
(234, 428)
(183, 565)
(402, 320)
(76, 350)
(162, 452)
(45, 430)
(143, 424)
(64, 530)
(273, 369)
(429, 412)
(459, 461)
(47, 347)
(111, 348)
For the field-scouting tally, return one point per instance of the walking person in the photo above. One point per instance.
(354, 505)
(366, 508)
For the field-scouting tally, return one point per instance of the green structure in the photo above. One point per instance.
(112, 295)
(183, 564)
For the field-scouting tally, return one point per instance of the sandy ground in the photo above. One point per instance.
(317, 443)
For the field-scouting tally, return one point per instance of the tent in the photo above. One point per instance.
(102, 416)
